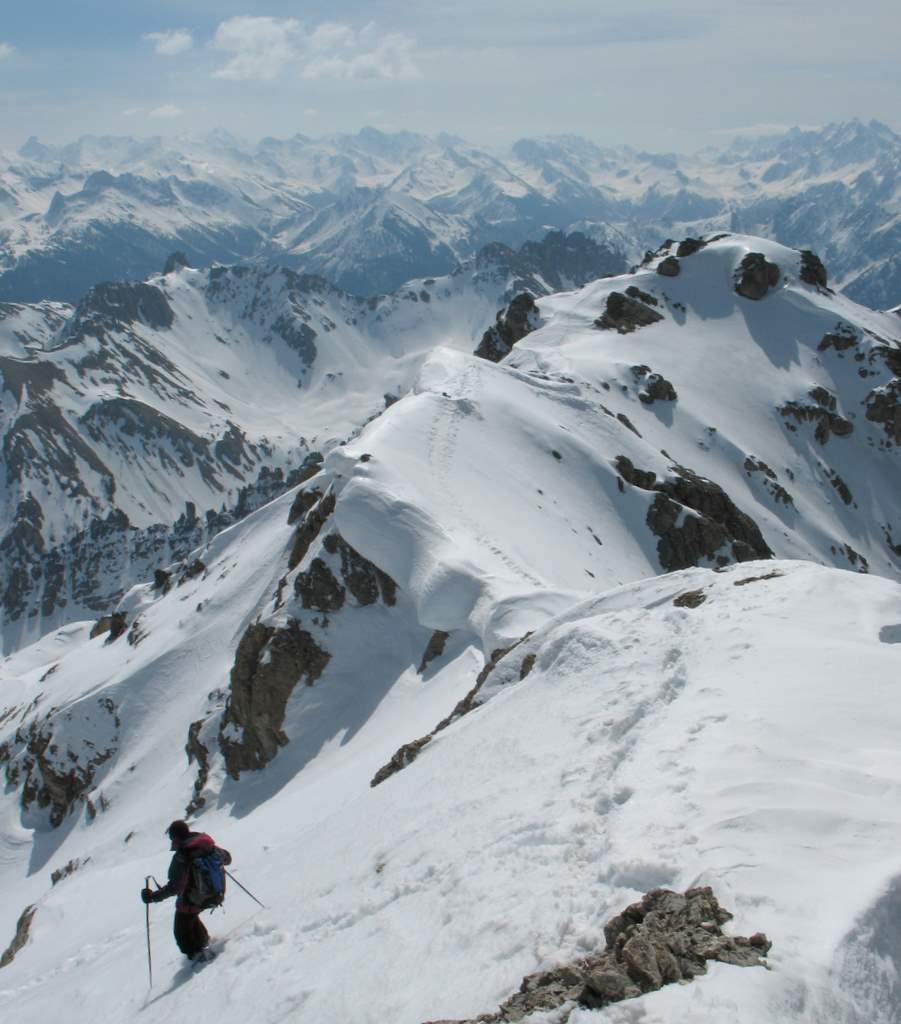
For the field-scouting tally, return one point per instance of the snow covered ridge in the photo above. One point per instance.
(133, 431)
(484, 564)
(372, 210)
(741, 742)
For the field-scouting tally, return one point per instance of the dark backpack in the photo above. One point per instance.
(206, 883)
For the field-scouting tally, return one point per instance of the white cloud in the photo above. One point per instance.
(166, 112)
(131, 112)
(6, 50)
(260, 47)
(172, 42)
(389, 56)
(329, 36)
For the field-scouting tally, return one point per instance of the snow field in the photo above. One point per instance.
(739, 744)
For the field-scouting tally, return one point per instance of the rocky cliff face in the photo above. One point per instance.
(55, 757)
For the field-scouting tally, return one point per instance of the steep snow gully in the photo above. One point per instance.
(591, 635)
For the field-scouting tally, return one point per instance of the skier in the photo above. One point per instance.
(190, 888)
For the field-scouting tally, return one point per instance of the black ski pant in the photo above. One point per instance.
(190, 933)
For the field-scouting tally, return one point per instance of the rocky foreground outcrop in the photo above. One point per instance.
(666, 937)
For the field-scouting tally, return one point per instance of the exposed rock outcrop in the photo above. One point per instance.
(365, 581)
(315, 508)
(56, 758)
(656, 388)
(712, 526)
(625, 313)
(175, 261)
(269, 663)
(812, 269)
(197, 752)
(689, 246)
(434, 649)
(822, 412)
(770, 480)
(192, 571)
(23, 927)
(162, 581)
(755, 276)
(117, 304)
(113, 625)
(557, 263)
(520, 318)
(666, 937)
(318, 589)
(844, 491)
(884, 407)
(840, 338)
(69, 868)
(669, 267)
(408, 753)
(890, 355)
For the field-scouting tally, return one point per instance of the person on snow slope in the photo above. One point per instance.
(187, 885)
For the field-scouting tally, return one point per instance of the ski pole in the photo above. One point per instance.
(238, 884)
(147, 919)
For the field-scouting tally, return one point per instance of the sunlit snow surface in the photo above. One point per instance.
(749, 743)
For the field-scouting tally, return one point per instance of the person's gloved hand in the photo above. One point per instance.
(149, 896)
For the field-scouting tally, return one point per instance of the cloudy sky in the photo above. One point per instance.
(663, 74)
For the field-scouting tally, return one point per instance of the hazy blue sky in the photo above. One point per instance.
(655, 73)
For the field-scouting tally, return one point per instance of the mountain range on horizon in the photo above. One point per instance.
(372, 210)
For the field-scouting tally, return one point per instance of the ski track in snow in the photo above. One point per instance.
(442, 453)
